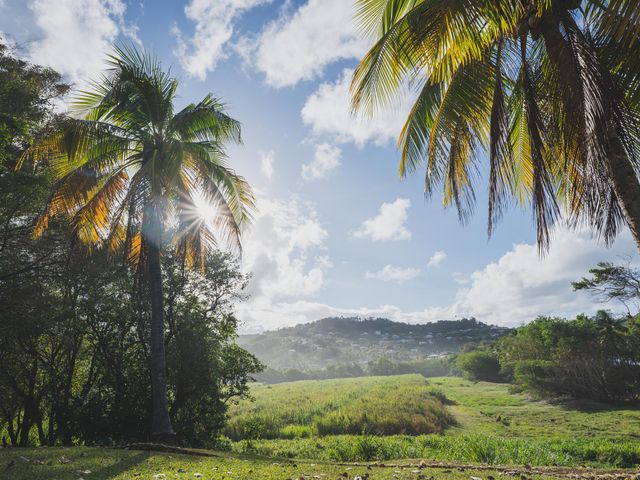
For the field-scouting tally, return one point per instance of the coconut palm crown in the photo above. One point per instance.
(547, 90)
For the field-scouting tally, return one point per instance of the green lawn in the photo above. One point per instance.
(490, 425)
(103, 464)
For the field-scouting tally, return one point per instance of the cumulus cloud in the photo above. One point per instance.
(326, 158)
(76, 35)
(519, 286)
(284, 251)
(266, 164)
(389, 273)
(328, 112)
(389, 224)
(214, 28)
(302, 42)
(511, 291)
(436, 259)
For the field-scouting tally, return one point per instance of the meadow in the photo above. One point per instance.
(485, 424)
(102, 464)
(368, 405)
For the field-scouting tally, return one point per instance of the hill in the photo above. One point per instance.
(337, 340)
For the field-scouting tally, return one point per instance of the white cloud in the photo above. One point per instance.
(389, 224)
(76, 35)
(328, 112)
(460, 278)
(436, 259)
(326, 158)
(214, 28)
(266, 164)
(394, 274)
(284, 251)
(301, 44)
(521, 285)
(514, 290)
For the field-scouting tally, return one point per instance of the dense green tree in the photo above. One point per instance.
(548, 89)
(126, 166)
(593, 358)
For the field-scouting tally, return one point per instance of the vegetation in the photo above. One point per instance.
(479, 365)
(590, 358)
(547, 89)
(491, 425)
(103, 464)
(75, 330)
(369, 406)
(130, 162)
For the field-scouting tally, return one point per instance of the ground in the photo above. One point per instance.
(102, 464)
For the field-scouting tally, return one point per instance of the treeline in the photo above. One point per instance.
(74, 332)
(595, 358)
(383, 366)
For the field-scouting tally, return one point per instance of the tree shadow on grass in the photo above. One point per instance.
(592, 406)
(121, 466)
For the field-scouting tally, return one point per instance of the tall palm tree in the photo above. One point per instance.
(548, 89)
(129, 170)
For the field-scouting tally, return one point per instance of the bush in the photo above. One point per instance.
(479, 365)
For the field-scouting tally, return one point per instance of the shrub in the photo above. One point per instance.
(479, 365)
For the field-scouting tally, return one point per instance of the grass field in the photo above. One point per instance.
(490, 425)
(107, 464)
(368, 405)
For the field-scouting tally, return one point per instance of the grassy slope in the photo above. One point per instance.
(528, 432)
(378, 405)
(103, 464)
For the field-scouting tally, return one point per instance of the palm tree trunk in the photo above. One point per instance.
(161, 429)
(626, 187)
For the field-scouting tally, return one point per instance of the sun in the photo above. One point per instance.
(206, 210)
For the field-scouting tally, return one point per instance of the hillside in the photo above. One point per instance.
(332, 341)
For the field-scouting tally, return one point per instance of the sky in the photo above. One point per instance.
(337, 232)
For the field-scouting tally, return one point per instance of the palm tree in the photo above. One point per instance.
(547, 88)
(128, 170)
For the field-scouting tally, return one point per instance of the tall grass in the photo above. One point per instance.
(371, 406)
(462, 448)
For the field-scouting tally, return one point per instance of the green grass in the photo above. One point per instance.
(372, 405)
(477, 407)
(491, 425)
(103, 464)
(480, 449)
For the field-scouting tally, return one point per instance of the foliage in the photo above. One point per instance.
(594, 358)
(374, 405)
(127, 167)
(81, 375)
(74, 334)
(479, 365)
(542, 88)
(613, 282)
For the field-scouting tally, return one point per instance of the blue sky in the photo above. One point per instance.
(337, 232)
